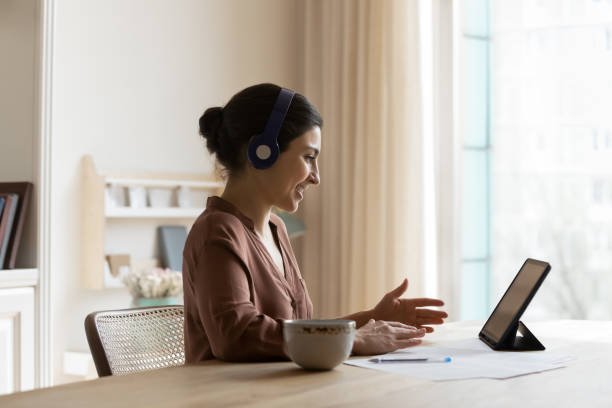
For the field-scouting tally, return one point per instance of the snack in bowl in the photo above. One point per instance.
(318, 344)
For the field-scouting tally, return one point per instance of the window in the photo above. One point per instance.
(537, 153)
(475, 44)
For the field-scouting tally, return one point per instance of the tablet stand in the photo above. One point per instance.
(526, 342)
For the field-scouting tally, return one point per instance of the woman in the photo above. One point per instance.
(240, 277)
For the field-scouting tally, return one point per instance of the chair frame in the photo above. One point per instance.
(93, 336)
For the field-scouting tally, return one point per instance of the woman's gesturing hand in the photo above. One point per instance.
(379, 337)
(392, 308)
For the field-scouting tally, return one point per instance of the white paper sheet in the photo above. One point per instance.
(471, 358)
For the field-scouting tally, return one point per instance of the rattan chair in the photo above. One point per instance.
(133, 340)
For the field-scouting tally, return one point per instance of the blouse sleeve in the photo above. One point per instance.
(236, 330)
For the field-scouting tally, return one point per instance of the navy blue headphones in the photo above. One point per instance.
(263, 148)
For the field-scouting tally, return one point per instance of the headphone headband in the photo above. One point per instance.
(263, 149)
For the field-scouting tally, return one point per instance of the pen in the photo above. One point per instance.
(410, 360)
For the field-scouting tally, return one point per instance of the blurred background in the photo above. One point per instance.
(460, 138)
(537, 149)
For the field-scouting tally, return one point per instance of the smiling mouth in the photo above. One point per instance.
(300, 191)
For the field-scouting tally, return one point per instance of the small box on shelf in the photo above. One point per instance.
(160, 197)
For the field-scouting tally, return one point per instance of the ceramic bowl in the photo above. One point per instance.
(318, 344)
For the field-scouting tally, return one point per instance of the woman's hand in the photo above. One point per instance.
(392, 308)
(380, 337)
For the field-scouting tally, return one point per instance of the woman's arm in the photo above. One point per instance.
(236, 330)
(360, 318)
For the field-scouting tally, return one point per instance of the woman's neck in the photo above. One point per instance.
(243, 195)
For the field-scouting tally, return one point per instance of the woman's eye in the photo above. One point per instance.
(309, 158)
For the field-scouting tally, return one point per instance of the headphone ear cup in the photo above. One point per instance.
(261, 154)
(263, 148)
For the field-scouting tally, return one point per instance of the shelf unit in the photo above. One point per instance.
(13, 278)
(99, 219)
(17, 329)
(24, 310)
(152, 212)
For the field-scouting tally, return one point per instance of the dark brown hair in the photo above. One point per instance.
(227, 130)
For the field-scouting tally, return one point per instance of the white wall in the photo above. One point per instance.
(18, 21)
(130, 80)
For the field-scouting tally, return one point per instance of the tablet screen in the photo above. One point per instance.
(515, 297)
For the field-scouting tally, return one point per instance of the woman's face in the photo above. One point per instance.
(296, 169)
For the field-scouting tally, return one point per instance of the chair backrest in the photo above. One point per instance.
(132, 340)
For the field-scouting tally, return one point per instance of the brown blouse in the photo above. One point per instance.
(235, 298)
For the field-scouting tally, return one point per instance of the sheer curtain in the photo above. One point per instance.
(365, 220)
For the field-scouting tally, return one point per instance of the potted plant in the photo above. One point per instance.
(156, 287)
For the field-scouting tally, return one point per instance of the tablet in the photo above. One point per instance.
(499, 332)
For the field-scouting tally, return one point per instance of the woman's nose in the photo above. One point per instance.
(314, 176)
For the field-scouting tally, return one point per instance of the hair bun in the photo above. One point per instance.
(210, 127)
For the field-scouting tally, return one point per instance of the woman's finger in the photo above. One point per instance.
(402, 330)
(410, 334)
(427, 329)
(403, 343)
(422, 302)
(399, 324)
(436, 314)
(422, 322)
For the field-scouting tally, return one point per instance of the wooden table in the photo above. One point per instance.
(585, 382)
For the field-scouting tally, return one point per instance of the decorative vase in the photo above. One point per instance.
(162, 301)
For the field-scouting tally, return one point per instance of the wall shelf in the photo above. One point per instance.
(148, 212)
(153, 182)
(108, 227)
